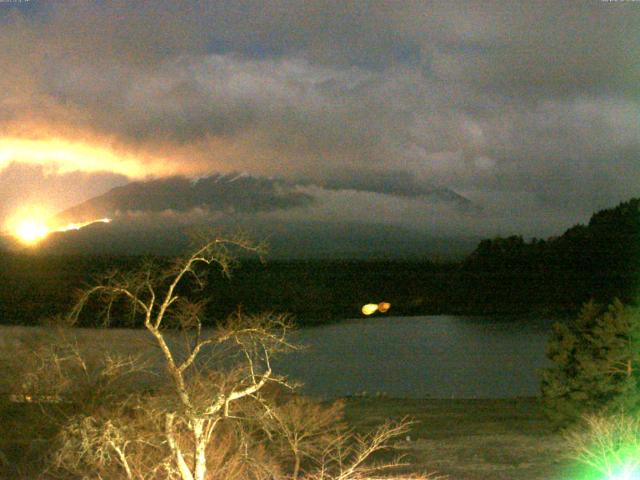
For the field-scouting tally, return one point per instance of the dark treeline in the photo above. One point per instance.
(598, 261)
(609, 244)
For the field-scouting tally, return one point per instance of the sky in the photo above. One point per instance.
(454, 118)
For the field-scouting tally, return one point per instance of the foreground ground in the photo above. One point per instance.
(459, 439)
(505, 439)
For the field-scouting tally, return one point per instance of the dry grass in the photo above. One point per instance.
(504, 439)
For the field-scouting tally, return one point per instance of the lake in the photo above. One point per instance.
(419, 357)
(413, 357)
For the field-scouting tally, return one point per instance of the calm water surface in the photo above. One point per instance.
(418, 357)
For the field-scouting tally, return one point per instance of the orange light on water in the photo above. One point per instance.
(371, 308)
(383, 307)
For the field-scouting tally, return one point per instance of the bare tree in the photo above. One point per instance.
(155, 296)
(303, 430)
(212, 413)
(608, 444)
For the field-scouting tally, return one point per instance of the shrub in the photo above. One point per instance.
(609, 445)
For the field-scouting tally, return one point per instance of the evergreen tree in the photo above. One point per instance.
(596, 364)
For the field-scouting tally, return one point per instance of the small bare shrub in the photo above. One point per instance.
(608, 444)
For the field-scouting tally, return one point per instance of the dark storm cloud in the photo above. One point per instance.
(532, 104)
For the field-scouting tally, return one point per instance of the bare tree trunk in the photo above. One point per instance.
(200, 458)
(183, 468)
(296, 467)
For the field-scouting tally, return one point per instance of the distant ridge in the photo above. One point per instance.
(216, 193)
(156, 216)
(610, 242)
(600, 260)
(285, 239)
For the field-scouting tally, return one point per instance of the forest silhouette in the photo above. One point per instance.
(504, 275)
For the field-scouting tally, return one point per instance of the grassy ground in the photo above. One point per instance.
(463, 439)
(472, 439)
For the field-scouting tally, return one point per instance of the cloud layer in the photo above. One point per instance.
(527, 110)
(217, 193)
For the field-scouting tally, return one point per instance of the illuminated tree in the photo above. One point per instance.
(199, 402)
(609, 445)
(596, 359)
(204, 407)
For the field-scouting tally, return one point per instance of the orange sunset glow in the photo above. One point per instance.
(32, 226)
(30, 231)
(62, 156)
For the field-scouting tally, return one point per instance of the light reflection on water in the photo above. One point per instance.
(431, 356)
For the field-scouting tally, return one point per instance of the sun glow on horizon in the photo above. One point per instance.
(30, 231)
(78, 226)
(33, 227)
(64, 156)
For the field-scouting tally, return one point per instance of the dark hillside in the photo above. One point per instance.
(609, 244)
(600, 260)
